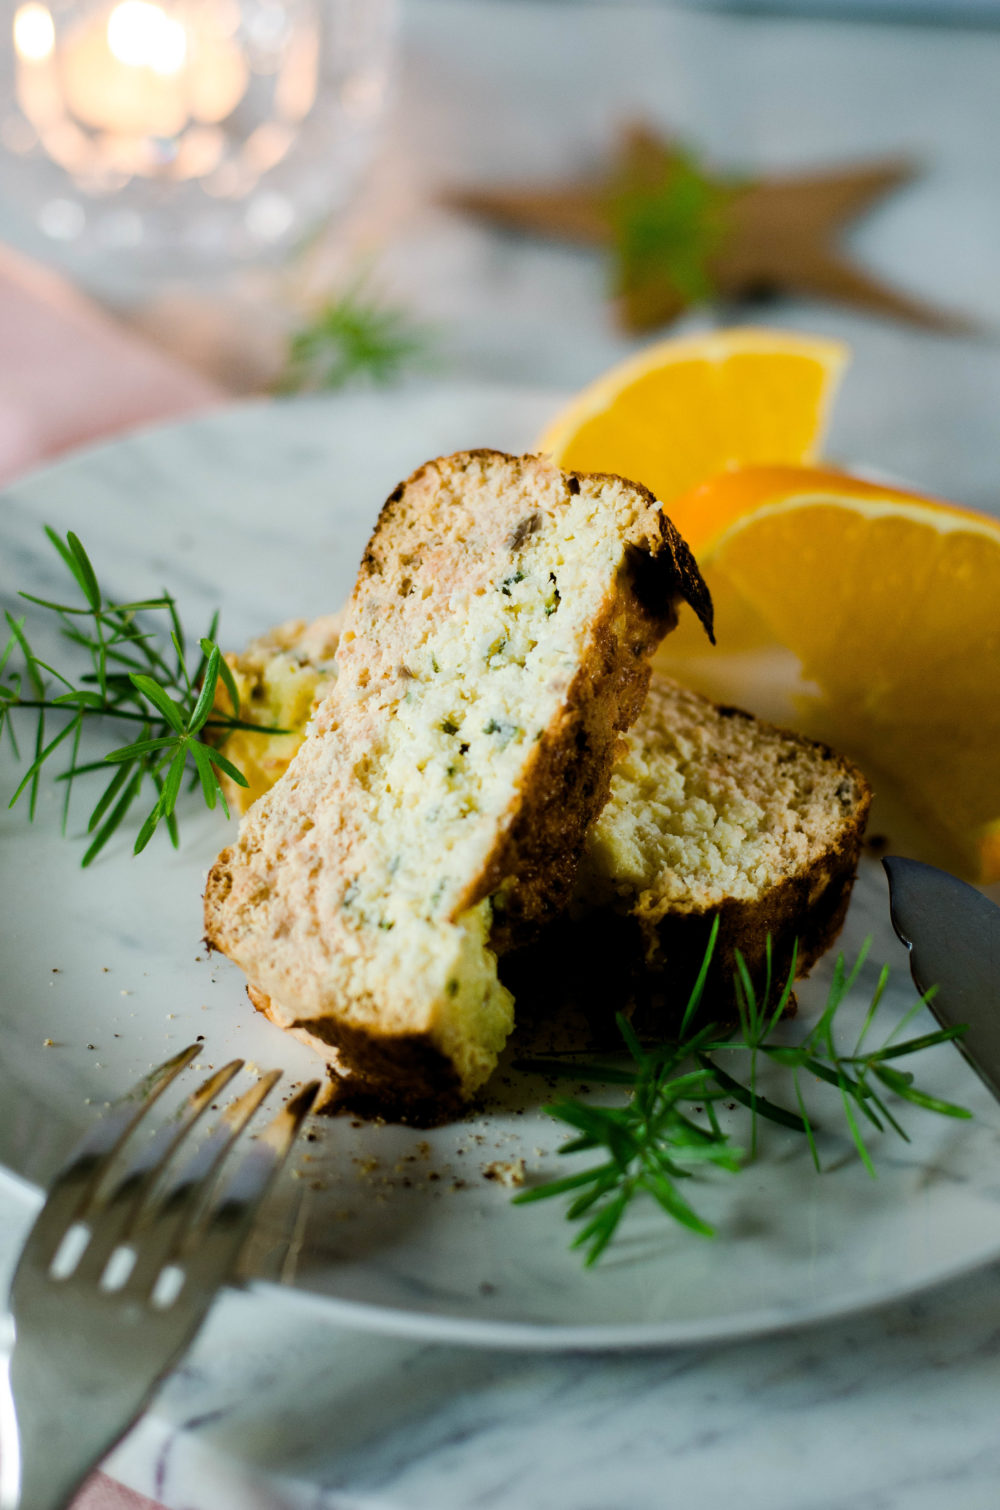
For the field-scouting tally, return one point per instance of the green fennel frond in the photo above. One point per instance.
(353, 338)
(669, 1125)
(136, 672)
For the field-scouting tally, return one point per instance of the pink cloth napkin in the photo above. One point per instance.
(102, 1493)
(69, 374)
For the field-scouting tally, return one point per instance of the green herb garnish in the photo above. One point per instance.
(670, 225)
(353, 338)
(137, 675)
(670, 1126)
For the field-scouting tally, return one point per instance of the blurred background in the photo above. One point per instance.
(283, 193)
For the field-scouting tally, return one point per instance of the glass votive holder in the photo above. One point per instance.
(143, 139)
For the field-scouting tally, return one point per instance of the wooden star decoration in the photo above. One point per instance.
(684, 235)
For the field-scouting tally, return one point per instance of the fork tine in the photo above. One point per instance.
(76, 1182)
(184, 1199)
(103, 1346)
(113, 1219)
(218, 1241)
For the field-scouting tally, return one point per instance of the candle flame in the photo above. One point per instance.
(142, 35)
(34, 33)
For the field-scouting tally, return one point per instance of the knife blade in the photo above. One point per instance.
(953, 935)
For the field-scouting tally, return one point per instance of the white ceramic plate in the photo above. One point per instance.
(264, 510)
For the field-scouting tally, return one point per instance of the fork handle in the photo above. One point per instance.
(46, 1459)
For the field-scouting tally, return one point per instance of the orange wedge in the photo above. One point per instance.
(682, 410)
(891, 602)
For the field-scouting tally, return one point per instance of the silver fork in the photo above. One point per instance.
(113, 1284)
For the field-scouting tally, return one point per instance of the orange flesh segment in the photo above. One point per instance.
(682, 410)
(891, 602)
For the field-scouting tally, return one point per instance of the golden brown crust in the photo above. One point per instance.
(806, 909)
(275, 900)
(568, 782)
(607, 962)
(402, 1078)
(798, 895)
(664, 570)
(642, 955)
(572, 773)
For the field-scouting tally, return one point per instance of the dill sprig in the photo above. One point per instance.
(669, 1127)
(353, 337)
(137, 675)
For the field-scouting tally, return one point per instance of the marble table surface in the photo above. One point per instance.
(896, 1408)
(893, 1409)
